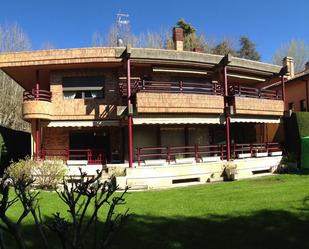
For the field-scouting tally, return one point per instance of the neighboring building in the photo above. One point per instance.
(180, 107)
(297, 105)
(297, 90)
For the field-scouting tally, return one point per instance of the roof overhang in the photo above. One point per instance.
(22, 66)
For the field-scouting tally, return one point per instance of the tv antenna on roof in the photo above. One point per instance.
(123, 28)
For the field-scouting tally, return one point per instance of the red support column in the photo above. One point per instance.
(37, 139)
(130, 130)
(37, 123)
(283, 87)
(227, 116)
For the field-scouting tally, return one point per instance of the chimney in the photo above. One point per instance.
(198, 50)
(307, 65)
(178, 38)
(289, 63)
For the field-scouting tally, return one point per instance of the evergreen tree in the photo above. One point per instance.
(224, 47)
(191, 38)
(247, 49)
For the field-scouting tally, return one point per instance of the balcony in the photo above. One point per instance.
(176, 97)
(37, 104)
(256, 101)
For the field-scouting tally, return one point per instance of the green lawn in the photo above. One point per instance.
(266, 212)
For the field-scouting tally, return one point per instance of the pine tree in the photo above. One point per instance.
(247, 49)
(224, 47)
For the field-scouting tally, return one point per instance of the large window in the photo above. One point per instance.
(86, 87)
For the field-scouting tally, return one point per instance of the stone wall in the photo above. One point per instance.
(254, 106)
(178, 103)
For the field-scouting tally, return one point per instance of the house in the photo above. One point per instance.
(150, 109)
(297, 88)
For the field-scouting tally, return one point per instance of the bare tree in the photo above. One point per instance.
(12, 38)
(115, 37)
(78, 197)
(48, 45)
(98, 40)
(151, 39)
(29, 203)
(298, 49)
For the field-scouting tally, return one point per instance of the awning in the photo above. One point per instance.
(83, 123)
(176, 120)
(255, 119)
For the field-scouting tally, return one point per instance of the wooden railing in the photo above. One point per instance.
(171, 153)
(35, 94)
(199, 152)
(89, 155)
(172, 87)
(251, 92)
(251, 149)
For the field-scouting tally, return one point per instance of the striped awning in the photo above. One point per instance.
(255, 119)
(83, 123)
(176, 120)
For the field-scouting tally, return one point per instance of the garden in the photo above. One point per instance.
(265, 212)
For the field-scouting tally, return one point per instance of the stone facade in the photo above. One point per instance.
(254, 106)
(178, 103)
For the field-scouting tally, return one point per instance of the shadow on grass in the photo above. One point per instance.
(264, 229)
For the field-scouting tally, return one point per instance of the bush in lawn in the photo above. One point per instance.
(20, 169)
(48, 174)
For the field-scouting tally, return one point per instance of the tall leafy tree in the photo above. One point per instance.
(298, 49)
(248, 49)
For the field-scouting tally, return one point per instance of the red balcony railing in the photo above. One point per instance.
(172, 87)
(35, 94)
(199, 152)
(251, 149)
(171, 153)
(251, 92)
(91, 156)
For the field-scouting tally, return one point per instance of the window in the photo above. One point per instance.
(87, 87)
(302, 104)
(291, 106)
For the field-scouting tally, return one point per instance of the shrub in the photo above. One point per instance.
(47, 174)
(20, 169)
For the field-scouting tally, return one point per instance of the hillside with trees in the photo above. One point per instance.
(12, 39)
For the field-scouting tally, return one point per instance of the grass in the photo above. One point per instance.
(266, 212)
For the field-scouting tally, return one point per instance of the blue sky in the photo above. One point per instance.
(71, 23)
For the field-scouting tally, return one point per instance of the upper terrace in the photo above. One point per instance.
(196, 74)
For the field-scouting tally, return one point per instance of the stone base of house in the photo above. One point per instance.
(155, 177)
(174, 175)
